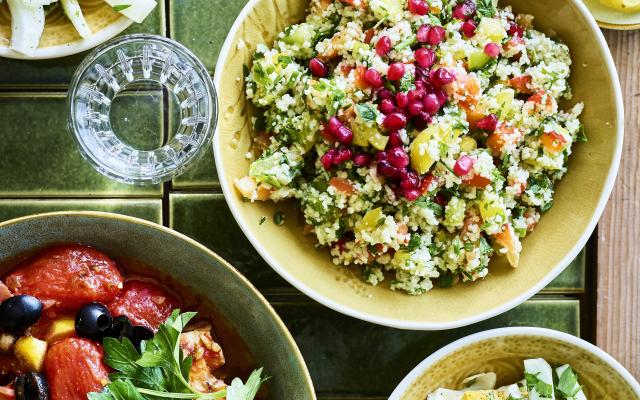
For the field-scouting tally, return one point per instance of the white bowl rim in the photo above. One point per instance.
(421, 368)
(418, 325)
(68, 49)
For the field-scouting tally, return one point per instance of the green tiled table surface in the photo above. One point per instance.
(41, 170)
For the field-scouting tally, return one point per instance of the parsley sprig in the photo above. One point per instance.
(161, 370)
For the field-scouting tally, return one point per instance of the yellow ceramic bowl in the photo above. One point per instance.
(612, 18)
(561, 234)
(503, 350)
(60, 38)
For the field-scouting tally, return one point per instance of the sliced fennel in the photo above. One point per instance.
(27, 24)
(136, 10)
(74, 12)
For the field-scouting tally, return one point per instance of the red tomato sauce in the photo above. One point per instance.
(67, 277)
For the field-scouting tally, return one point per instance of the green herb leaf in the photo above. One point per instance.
(424, 202)
(581, 136)
(278, 218)
(542, 388)
(262, 220)
(568, 384)
(367, 112)
(121, 7)
(486, 8)
(245, 391)
(406, 83)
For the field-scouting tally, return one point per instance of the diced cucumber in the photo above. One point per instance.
(390, 9)
(371, 219)
(477, 60)
(491, 28)
(505, 100)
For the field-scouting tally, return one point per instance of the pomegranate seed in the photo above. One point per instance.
(442, 97)
(424, 117)
(327, 159)
(415, 107)
(398, 158)
(396, 71)
(394, 140)
(416, 94)
(464, 10)
(383, 46)
(387, 107)
(431, 104)
(463, 165)
(419, 7)
(402, 99)
(317, 67)
(440, 199)
(469, 28)
(436, 35)
(362, 159)
(385, 169)
(334, 124)
(410, 181)
(515, 30)
(441, 77)
(395, 121)
(384, 93)
(488, 123)
(492, 50)
(373, 78)
(425, 57)
(423, 33)
(343, 154)
(412, 194)
(381, 155)
(344, 135)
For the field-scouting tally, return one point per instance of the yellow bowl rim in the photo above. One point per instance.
(428, 362)
(228, 192)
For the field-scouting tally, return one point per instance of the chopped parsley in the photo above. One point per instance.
(534, 383)
(262, 219)
(121, 7)
(486, 8)
(278, 218)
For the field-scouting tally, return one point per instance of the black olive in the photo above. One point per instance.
(120, 327)
(138, 334)
(31, 386)
(17, 313)
(93, 321)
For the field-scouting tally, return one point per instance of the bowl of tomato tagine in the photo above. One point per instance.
(93, 305)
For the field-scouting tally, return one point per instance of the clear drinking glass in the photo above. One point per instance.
(135, 62)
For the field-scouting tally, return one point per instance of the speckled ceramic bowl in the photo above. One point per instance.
(190, 264)
(503, 350)
(60, 38)
(563, 231)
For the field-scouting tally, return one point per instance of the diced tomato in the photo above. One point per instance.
(427, 183)
(361, 83)
(75, 367)
(468, 90)
(342, 185)
(67, 277)
(541, 96)
(7, 393)
(497, 140)
(362, 5)
(5, 293)
(144, 303)
(346, 68)
(473, 116)
(520, 83)
(513, 43)
(368, 35)
(552, 141)
(478, 181)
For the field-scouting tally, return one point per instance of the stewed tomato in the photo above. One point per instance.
(144, 303)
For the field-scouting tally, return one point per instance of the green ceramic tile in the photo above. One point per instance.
(572, 279)
(207, 219)
(57, 72)
(40, 158)
(202, 25)
(347, 357)
(149, 209)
